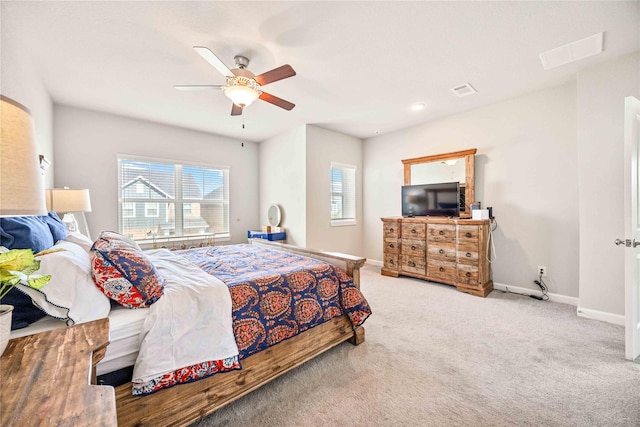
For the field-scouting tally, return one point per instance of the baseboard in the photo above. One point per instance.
(552, 297)
(603, 316)
(374, 262)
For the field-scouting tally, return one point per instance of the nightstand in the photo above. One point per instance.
(45, 378)
(274, 237)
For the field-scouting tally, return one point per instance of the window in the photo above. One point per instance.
(129, 210)
(179, 199)
(152, 210)
(343, 194)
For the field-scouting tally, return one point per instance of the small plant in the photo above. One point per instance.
(18, 266)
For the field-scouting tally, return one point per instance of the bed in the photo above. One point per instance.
(260, 360)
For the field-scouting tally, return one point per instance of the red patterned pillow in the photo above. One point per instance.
(123, 272)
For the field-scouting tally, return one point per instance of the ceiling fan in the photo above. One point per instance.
(243, 87)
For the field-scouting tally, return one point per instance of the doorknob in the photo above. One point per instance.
(619, 242)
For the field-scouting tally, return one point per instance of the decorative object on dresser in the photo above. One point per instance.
(451, 251)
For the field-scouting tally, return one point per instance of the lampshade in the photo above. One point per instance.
(21, 181)
(68, 200)
(241, 95)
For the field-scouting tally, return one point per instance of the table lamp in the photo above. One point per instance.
(21, 181)
(69, 201)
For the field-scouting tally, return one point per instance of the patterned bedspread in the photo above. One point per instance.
(276, 295)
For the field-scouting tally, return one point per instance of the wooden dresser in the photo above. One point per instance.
(451, 251)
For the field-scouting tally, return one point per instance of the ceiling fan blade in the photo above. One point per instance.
(236, 110)
(197, 87)
(212, 59)
(276, 74)
(277, 101)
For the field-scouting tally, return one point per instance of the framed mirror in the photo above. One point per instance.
(274, 215)
(448, 167)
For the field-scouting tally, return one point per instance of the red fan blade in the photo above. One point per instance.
(236, 110)
(275, 75)
(277, 101)
(197, 87)
(212, 59)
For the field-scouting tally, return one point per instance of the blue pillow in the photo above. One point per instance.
(24, 312)
(58, 228)
(25, 232)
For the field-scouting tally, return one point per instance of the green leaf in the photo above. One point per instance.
(16, 259)
(38, 281)
(35, 266)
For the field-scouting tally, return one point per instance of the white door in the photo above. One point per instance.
(632, 227)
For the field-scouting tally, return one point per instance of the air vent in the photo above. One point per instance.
(464, 90)
(572, 52)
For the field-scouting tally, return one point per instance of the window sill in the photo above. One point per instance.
(343, 222)
(188, 241)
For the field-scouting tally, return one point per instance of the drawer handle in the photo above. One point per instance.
(391, 262)
(413, 230)
(441, 269)
(412, 264)
(467, 234)
(413, 248)
(391, 230)
(468, 274)
(441, 251)
(468, 254)
(441, 233)
(391, 245)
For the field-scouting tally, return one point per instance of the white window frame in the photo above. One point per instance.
(178, 202)
(132, 208)
(344, 221)
(155, 206)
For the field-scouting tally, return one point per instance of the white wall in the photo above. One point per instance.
(526, 169)
(21, 83)
(87, 143)
(323, 147)
(601, 93)
(283, 182)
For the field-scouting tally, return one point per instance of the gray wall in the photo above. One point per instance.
(87, 143)
(323, 147)
(600, 126)
(283, 182)
(526, 169)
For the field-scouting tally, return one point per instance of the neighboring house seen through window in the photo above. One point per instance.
(343, 194)
(161, 198)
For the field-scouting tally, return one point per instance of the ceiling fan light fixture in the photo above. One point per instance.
(241, 91)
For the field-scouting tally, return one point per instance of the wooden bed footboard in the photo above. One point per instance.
(186, 403)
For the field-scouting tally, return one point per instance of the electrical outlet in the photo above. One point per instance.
(542, 271)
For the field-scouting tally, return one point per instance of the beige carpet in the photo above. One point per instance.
(437, 357)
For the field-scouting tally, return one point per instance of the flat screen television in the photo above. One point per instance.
(431, 199)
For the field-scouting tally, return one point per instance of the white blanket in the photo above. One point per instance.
(189, 324)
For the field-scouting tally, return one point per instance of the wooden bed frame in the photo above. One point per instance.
(186, 403)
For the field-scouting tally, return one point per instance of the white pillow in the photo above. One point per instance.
(71, 294)
(80, 239)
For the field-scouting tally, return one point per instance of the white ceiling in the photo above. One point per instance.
(360, 65)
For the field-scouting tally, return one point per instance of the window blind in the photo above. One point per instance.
(343, 192)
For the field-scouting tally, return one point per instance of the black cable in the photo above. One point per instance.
(543, 288)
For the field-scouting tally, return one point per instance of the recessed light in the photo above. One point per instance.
(418, 107)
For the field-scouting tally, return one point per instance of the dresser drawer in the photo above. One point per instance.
(391, 261)
(442, 251)
(413, 247)
(442, 270)
(391, 230)
(468, 274)
(413, 264)
(441, 233)
(391, 246)
(468, 253)
(413, 231)
(468, 233)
